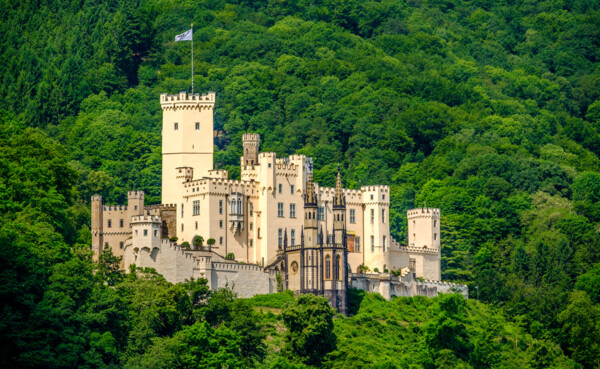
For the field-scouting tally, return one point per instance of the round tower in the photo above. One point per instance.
(251, 145)
(424, 228)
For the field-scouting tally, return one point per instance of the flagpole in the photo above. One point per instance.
(192, 58)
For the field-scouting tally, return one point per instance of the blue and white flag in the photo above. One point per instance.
(185, 36)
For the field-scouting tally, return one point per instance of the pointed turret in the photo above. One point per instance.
(310, 211)
(339, 211)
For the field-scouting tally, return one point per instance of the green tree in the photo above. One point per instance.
(310, 333)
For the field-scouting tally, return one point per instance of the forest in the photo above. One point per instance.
(488, 110)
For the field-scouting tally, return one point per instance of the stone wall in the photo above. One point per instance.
(388, 285)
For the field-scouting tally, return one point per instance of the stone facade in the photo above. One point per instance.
(260, 220)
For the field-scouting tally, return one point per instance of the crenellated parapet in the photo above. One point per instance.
(186, 101)
(185, 174)
(145, 219)
(423, 212)
(419, 250)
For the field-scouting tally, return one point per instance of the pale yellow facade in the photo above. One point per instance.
(250, 217)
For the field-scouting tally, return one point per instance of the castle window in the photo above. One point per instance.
(384, 239)
(292, 189)
(121, 245)
(435, 236)
(136, 232)
(371, 197)
(280, 188)
(258, 233)
(328, 267)
(352, 216)
(251, 226)
(382, 215)
(251, 209)
(220, 240)
(293, 237)
(292, 210)
(435, 223)
(321, 213)
(383, 197)
(135, 207)
(109, 223)
(196, 207)
(280, 237)
(220, 223)
(182, 210)
(338, 268)
(106, 245)
(338, 217)
(145, 232)
(155, 233)
(121, 223)
(357, 244)
(372, 216)
(280, 209)
(196, 225)
(181, 227)
(329, 238)
(197, 126)
(269, 165)
(220, 206)
(176, 126)
(372, 244)
(251, 243)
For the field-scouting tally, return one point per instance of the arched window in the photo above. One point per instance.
(197, 126)
(233, 206)
(339, 267)
(328, 267)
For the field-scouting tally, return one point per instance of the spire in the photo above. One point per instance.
(339, 200)
(310, 197)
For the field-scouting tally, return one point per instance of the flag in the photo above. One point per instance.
(185, 36)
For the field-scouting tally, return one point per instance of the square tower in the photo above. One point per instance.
(187, 139)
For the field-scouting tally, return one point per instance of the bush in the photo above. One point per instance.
(173, 239)
(230, 256)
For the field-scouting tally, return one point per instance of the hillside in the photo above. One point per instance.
(487, 110)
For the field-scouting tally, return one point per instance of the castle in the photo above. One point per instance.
(273, 229)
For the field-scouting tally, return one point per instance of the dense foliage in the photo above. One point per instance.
(487, 110)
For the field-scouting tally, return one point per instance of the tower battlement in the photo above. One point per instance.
(136, 219)
(420, 212)
(186, 174)
(184, 100)
(251, 137)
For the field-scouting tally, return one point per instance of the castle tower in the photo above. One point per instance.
(97, 237)
(135, 202)
(187, 138)
(336, 289)
(424, 228)
(251, 145)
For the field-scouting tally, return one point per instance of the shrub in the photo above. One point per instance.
(230, 256)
